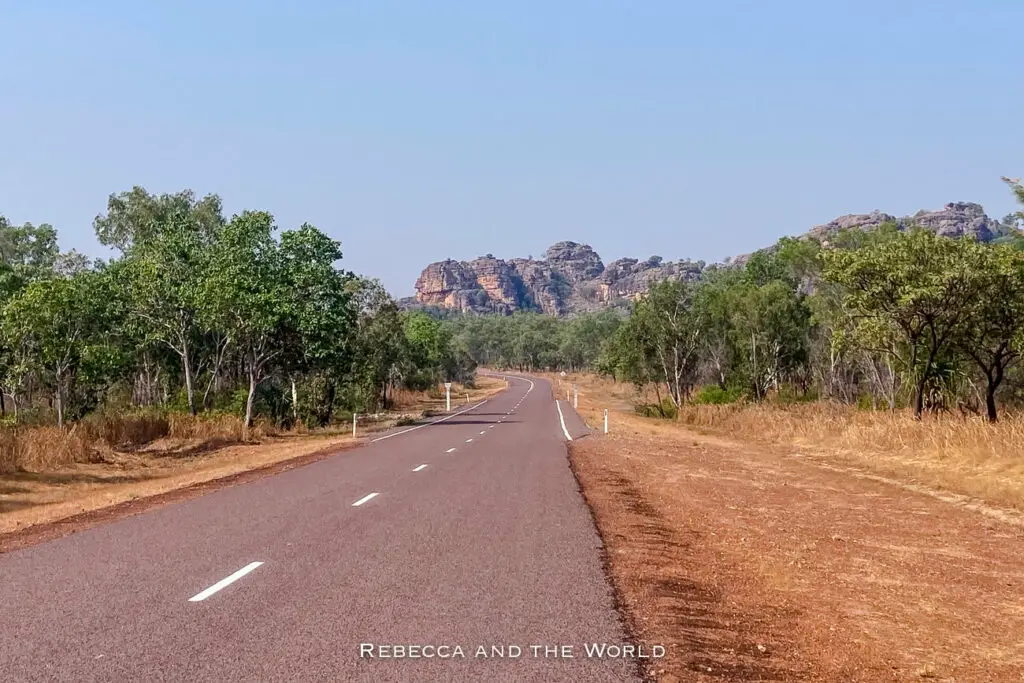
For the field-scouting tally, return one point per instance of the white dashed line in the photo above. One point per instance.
(450, 450)
(364, 499)
(469, 440)
(417, 469)
(483, 432)
(225, 582)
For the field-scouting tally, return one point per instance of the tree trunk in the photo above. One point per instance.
(60, 405)
(995, 378)
(249, 403)
(187, 362)
(919, 396)
(295, 399)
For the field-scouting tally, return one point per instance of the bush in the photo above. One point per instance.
(714, 395)
(667, 409)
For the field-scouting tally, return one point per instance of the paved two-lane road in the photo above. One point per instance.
(463, 533)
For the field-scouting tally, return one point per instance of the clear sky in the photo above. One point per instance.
(415, 131)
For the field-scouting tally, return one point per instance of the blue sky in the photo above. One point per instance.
(414, 131)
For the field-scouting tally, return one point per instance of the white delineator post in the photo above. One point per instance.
(447, 397)
(605, 420)
(575, 397)
(354, 424)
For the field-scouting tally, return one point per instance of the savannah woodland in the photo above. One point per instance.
(814, 467)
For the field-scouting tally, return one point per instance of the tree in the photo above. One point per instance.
(168, 241)
(322, 314)
(668, 327)
(246, 294)
(136, 216)
(910, 293)
(768, 329)
(993, 327)
(380, 342)
(50, 323)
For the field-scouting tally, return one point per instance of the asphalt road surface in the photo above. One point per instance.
(464, 533)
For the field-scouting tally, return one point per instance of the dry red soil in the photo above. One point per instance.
(752, 565)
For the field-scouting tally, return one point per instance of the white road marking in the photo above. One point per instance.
(483, 432)
(561, 418)
(365, 499)
(417, 469)
(469, 440)
(450, 450)
(413, 429)
(224, 583)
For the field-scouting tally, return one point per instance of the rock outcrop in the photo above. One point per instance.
(571, 278)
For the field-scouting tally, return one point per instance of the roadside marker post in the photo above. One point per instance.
(447, 397)
(467, 398)
(605, 420)
(354, 424)
(575, 397)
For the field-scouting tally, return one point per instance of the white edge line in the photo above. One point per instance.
(561, 418)
(365, 499)
(417, 469)
(224, 583)
(413, 429)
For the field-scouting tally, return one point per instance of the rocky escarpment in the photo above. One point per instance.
(572, 278)
(958, 219)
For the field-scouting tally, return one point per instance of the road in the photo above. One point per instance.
(449, 536)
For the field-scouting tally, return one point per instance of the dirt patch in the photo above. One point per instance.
(750, 565)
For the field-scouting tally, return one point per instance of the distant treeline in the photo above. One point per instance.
(199, 312)
(883, 318)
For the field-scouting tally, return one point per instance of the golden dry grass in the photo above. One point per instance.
(964, 455)
(44, 448)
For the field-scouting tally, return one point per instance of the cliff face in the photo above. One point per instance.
(571, 278)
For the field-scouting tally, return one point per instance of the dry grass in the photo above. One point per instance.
(45, 448)
(964, 455)
(433, 399)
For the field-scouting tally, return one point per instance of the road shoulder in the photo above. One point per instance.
(749, 565)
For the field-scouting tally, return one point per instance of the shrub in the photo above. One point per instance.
(714, 395)
(666, 409)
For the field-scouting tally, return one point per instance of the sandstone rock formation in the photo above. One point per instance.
(571, 278)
